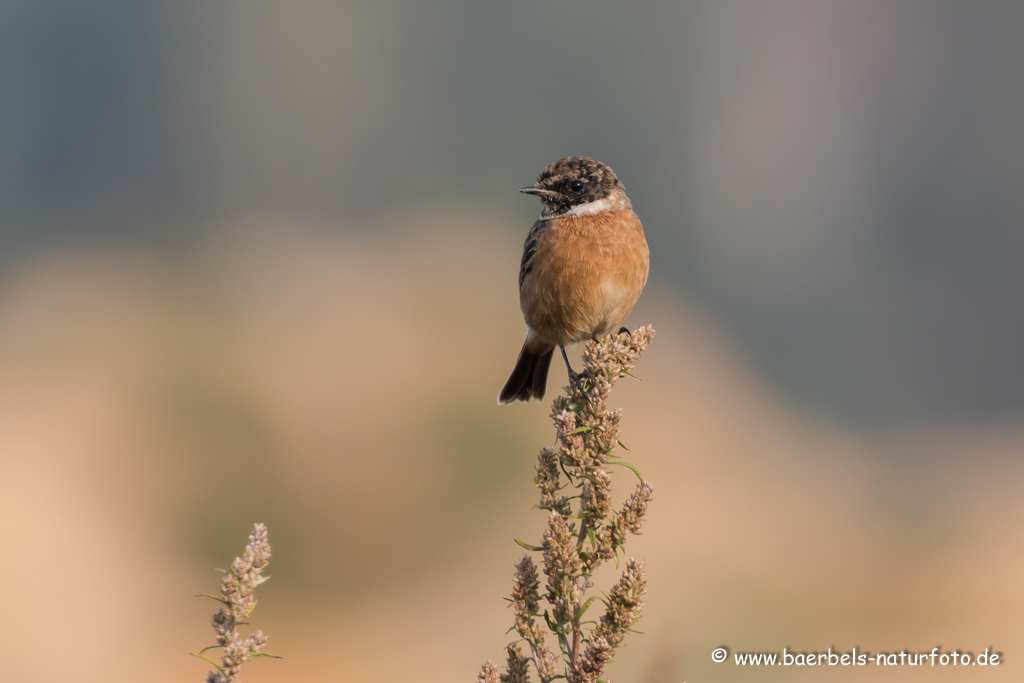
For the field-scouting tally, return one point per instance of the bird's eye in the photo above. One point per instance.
(576, 185)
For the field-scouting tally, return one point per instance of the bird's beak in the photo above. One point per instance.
(537, 190)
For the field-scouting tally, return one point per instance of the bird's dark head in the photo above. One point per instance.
(577, 186)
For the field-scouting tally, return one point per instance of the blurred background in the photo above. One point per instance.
(258, 263)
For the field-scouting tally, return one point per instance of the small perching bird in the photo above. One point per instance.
(584, 265)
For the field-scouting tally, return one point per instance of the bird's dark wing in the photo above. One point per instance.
(530, 248)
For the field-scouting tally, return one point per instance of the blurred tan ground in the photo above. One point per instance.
(342, 391)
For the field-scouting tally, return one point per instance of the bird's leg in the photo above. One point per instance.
(574, 377)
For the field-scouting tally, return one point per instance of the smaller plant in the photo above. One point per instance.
(238, 597)
(582, 531)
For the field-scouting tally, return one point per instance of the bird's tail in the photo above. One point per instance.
(529, 378)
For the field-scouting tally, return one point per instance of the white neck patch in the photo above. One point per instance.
(600, 206)
(605, 205)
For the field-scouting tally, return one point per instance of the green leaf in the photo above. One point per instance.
(532, 548)
(631, 467)
(551, 624)
(627, 373)
(582, 430)
(212, 597)
(568, 476)
(624, 446)
(215, 664)
(584, 607)
(266, 654)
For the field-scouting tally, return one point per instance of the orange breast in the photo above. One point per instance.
(588, 273)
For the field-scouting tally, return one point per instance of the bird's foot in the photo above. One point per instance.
(576, 383)
(580, 385)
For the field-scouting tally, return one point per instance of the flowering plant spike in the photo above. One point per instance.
(238, 600)
(582, 532)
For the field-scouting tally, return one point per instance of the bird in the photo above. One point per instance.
(585, 263)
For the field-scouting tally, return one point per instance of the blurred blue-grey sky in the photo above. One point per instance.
(838, 184)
